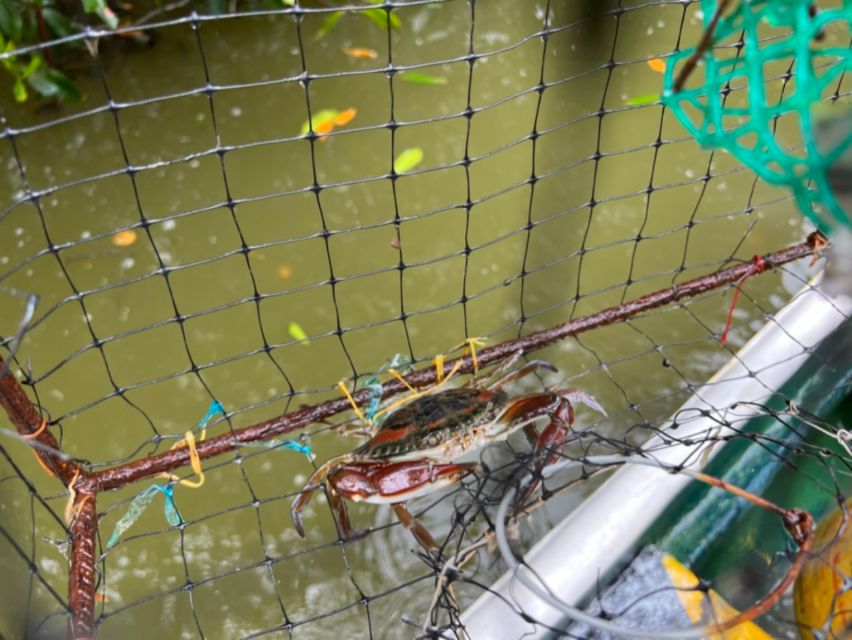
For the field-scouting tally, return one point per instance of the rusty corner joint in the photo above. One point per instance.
(27, 419)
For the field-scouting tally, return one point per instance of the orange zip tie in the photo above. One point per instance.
(759, 265)
(35, 434)
(194, 461)
(42, 464)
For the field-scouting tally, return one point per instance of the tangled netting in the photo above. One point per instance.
(262, 233)
(747, 130)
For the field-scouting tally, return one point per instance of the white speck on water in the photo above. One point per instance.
(4, 259)
(199, 117)
(213, 240)
(127, 263)
(49, 566)
(689, 173)
(169, 225)
(649, 31)
(56, 394)
(29, 273)
(300, 478)
(20, 244)
(123, 561)
(124, 314)
(236, 112)
(722, 186)
(85, 235)
(271, 392)
(19, 231)
(194, 163)
(661, 24)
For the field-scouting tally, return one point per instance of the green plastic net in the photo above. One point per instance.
(737, 54)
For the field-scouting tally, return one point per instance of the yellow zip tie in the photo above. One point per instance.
(417, 394)
(471, 344)
(342, 386)
(399, 377)
(195, 461)
(439, 366)
(72, 496)
(35, 434)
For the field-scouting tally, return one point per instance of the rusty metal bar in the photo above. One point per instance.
(81, 578)
(116, 477)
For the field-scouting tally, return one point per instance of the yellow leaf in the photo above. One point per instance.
(707, 607)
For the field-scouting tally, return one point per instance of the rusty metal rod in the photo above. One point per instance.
(81, 579)
(116, 477)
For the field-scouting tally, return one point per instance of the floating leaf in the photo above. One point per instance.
(325, 121)
(636, 101)
(407, 160)
(298, 333)
(345, 117)
(382, 18)
(124, 238)
(361, 53)
(415, 77)
(318, 120)
(657, 65)
(328, 24)
(134, 511)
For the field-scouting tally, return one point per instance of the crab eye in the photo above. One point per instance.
(432, 440)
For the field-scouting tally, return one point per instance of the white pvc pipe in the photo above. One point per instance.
(573, 556)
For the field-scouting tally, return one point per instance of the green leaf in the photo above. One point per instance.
(102, 10)
(52, 83)
(298, 333)
(328, 24)
(382, 18)
(415, 77)
(59, 24)
(32, 67)
(407, 160)
(11, 21)
(19, 89)
(636, 101)
(319, 117)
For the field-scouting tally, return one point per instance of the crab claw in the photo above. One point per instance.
(576, 395)
(299, 504)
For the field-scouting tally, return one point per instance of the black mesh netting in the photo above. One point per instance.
(244, 209)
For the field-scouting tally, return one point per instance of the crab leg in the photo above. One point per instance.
(517, 374)
(418, 530)
(314, 483)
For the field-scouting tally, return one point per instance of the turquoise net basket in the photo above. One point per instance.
(774, 33)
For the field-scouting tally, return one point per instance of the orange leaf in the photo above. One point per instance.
(657, 65)
(124, 238)
(345, 117)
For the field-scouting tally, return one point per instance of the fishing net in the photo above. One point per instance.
(244, 210)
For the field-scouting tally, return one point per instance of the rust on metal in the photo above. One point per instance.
(81, 580)
(28, 421)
